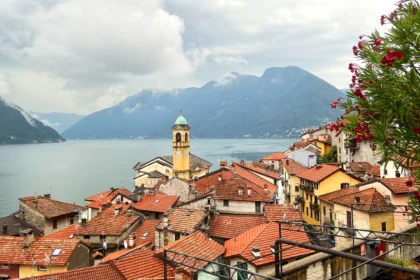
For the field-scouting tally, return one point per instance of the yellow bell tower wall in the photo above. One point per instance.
(181, 151)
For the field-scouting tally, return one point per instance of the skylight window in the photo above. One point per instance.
(145, 234)
(189, 213)
(156, 201)
(56, 252)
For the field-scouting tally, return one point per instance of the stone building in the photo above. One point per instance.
(48, 215)
(179, 187)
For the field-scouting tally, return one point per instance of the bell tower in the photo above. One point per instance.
(181, 148)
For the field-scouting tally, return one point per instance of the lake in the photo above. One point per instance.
(77, 169)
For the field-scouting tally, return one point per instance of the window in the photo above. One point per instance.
(56, 252)
(225, 271)
(307, 211)
(339, 150)
(42, 268)
(317, 215)
(157, 215)
(296, 188)
(4, 266)
(257, 207)
(71, 221)
(242, 275)
(54, 224)
(383, 226)
(208, 201)
(177, 236)
(226, 203)
(144, 235)
(311, 198)
(102, 238)
(178, 137)
(186, 137)
(385, 172)
(86, 237)
(324, 211)
(307, 196)
(312, 212)
(344, 185)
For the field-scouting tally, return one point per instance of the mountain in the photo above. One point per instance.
(280, 103)
(59, 121)
(18, 127)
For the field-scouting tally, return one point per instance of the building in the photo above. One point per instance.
(133, 247)
(253, 249)
(313, 133)
(145, 233)
(178, 223)
(178, 187)
(275, 213)
(227, 226)
(12, 225)
(321, 179)
(48, 215)
(273, 160)
(399, 194)
(107, 198)
(28, 255)
(303, 157)
(290, 183)
(261, 170)
(154, 204)
(324, 143)
(305, 145)
(182, 164)
(359, 169)
(197, 245)
(361, 151)
(112, 225)
(397, 167)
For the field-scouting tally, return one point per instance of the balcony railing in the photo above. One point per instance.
(306, 188)
(346, 229)
(352, 145)
(314, 206)
(299, 199)
(328, 222)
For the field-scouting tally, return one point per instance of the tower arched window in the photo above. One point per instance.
(186, 137)
(178, 137)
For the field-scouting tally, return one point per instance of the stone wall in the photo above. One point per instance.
(179, 188)
(198, 204)
(31, 216)
(238, 206)
(159, 238)
(80, 258)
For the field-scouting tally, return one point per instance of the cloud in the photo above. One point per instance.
(50, 124)
(131, 110)
(5, 87)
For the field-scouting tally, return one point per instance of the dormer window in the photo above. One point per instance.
(144, 235)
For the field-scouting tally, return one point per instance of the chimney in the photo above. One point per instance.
(116, 211)
(132, 240)
(287, 161)
(256, 251)
(233, 169)
(356, 199)
(28, 237)
(165, 229)
(4, 229)
(178, 273)
(129, 212)
(47, 195)
(249, 191)
(265, 188)
(242, 162)
(223, 163)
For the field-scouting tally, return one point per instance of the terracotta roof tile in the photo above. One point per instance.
(228, 226)
(65, 233)
(198, 245)
(109, 224)
(103, 272)
(329, 197)
(123, 252)
(375, 170)
(275, 156)
(156, 203)
(362, 166)
(275, 212)
(260, 168)
(184, 220)
(148, 226)
(370, 197)
(263, 236)
(103, 198)
(50, 208)
(397, 185)
(254, 178)
(292, 167)
(318, 172)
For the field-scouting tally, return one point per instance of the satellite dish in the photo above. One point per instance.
(125, 244)
(104, 245)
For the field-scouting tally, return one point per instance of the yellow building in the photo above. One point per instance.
(354, 208)
(181, 164)
(324, 145)
(319, 180)
(289, 180)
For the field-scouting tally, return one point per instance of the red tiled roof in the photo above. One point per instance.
(12, 250)
(254, 178)
(260, 168)
(100, 199)
(65, 233)
(148, 226)
(103, 272)
(362, 166)
(369, 200)
(196, 244)
(50, 208)
(329, 197)
(276, 212)
(109, 224)
(123, 252)
(397, 185)
(184, 220)
(228, 226)
(156, 203)
(319, 172)
(292, 167)
(375, 171)
(275, 156)
(263, 236)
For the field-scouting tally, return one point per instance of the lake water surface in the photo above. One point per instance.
(77, 169)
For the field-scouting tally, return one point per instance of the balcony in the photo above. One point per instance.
(299, 199)
(306, 188)
(328, 222)
(352, 145)
(314, 206)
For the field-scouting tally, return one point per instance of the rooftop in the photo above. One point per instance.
(227, 226)
(156, 203)
(319, 172)
(168, 160)
(362, 166)
(50, 208)
(253, 178)
(96, 201)
(260, 168)
(65, 233)
(274, 156)
(146, 232)
(375, 171)
(329, 197)
(109, 224)
(121, 253)
(181, 120)
(15, 225)
(276, 212)
(263, 236)
(397, 185)
(368, 199)
(184, 220)
(292, 167)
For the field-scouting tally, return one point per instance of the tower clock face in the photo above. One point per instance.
(178, 154)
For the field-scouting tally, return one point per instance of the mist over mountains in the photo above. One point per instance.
(280, 103)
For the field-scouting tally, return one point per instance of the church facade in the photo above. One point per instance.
(182, 164)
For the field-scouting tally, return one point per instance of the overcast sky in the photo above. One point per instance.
(80, 56)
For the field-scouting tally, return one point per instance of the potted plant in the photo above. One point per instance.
(399, 275)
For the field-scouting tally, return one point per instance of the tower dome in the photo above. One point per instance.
(181, 120)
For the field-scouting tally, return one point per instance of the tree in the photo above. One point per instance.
(383, 102)
(330, 157)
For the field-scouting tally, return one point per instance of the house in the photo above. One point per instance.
(253, 249)
(197, 245)
(112, 225)
(321, 179)
(361, 151)
(374, 172)
(203, 201)
(313, 133)
(359, 169)
(303, 157)
(182, 164)
(275, 212)
(273, 160)
(261, 170)
(48, 215)
(12, 225)
(154, 204)
(145, 232)
(324, 143)
(305, 145)
(179, 222)
(338, 140)
(397, 167)
(178, 187)
(125, 251)
(106, 198)
(289, 181)
(227, 226)
(69, 232)
(399, 194)
(365, 209)
(30, 255)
